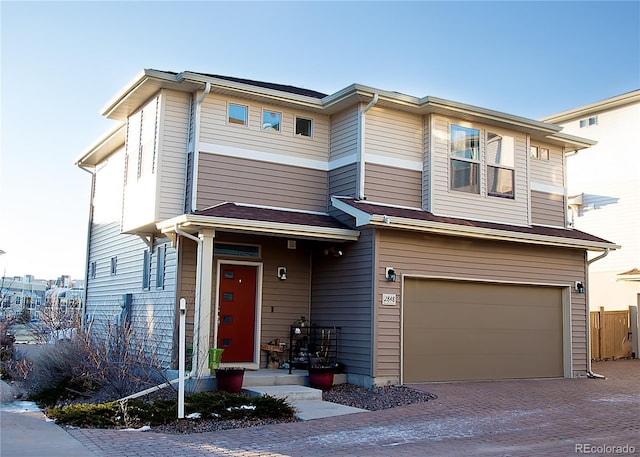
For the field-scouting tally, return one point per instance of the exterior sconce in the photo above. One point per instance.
(282, 273)
(390, 274)
(580, 287)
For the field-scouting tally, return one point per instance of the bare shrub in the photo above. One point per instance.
(99, 365)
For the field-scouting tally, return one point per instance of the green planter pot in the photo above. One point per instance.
(229, 379)
(321, 377)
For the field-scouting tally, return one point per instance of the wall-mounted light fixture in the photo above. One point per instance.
(390, 274)
(580, 287)
(335, 252)
(282, 273)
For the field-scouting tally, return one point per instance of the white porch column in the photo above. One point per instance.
(204, 293)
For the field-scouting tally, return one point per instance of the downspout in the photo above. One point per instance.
(361, 148)
(591, 374)
(83, 318)
(196, 142)
(196, 330)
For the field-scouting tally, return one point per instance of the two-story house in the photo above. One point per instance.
(430, 231)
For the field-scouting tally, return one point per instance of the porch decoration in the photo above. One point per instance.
(229, 379)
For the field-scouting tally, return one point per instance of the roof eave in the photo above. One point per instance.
(193, 221)
(486, 233)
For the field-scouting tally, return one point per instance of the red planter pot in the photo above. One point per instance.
(321, 377)
(229, 379)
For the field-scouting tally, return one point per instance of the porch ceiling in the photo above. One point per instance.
(259, 220)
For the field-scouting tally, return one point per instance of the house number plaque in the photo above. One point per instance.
(388, 299)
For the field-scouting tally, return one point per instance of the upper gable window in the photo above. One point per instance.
(500, 165)
(465, 159)
(304, 127)
(537, 152)
(271, 120)
(589, 122)
(238, 114)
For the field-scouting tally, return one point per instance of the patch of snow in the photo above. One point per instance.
(20, 407)
(141, 429)
(193, 416)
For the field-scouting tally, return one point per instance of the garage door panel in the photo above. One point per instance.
(465, 330)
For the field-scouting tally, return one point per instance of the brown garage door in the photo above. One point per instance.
(457, 330)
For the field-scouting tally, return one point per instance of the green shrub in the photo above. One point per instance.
(212, 406)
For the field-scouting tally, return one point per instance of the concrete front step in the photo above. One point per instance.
(292, 393)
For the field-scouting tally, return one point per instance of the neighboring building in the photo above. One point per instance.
(19, 293)
(604, 188)
(432, 232)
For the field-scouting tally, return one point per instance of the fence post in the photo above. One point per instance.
(601, 332)
(635, 334)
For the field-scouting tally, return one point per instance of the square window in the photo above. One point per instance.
(593, 120)
(303, 126)
(534, 152)
(238, 114)
(583, 123)
(544, 154)
(271, 120)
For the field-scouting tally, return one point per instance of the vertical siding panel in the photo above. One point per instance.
(172, 160)
(342, 291)
(344, 134)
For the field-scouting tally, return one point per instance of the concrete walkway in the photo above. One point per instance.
(552, 417)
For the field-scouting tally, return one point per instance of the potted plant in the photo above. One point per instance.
(229, 379)
(321, 370)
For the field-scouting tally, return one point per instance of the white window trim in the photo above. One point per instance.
(246, 124)
(295, 123)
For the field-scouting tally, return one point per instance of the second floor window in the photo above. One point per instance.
(465, 159)
(271, 120)
(500, 165)
(238, 114)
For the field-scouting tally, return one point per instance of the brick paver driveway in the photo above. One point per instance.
(555, 417)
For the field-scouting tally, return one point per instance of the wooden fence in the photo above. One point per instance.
(610, 335)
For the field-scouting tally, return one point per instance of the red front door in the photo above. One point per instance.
(236, 333)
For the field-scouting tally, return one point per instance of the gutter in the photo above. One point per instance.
(196, 329)
(194, 146)
(88, 250)
(361, 148)
(591, 374)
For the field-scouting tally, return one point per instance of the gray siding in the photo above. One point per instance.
(433, 256)
(344, 134)
(342, 295)
(547, 209)
(223, 178)
(428, 149)
(393, 186)
(152, 310)
(342, 181)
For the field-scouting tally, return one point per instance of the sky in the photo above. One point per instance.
(62, 62)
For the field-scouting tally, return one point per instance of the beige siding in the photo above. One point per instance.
(394, 186)
(223, 178)
(548, 172)
(478, 206)
(433, 256)
(547, 209)
(172, 159)
(393, 134)
(344, 134)
(215, 130)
